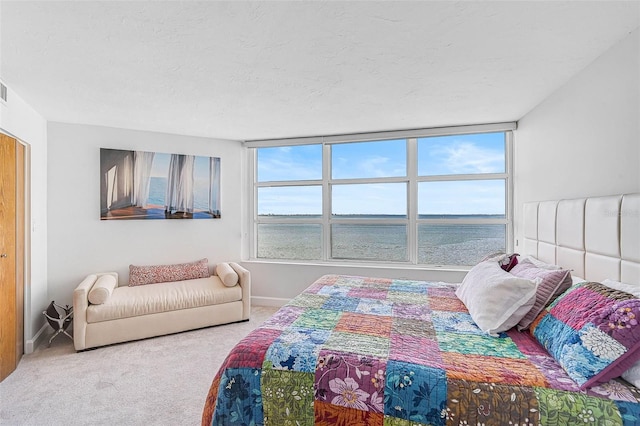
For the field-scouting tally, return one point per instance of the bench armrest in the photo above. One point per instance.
(244, 276)
(80, 305)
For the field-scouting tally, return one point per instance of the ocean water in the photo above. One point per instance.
(158, 190)
(450, 244)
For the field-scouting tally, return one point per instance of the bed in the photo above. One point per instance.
(373, 351)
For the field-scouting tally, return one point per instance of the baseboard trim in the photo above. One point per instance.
(30, 345)
(269, 301)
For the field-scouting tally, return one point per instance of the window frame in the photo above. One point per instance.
(412, 221)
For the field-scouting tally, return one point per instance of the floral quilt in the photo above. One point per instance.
(371, 351)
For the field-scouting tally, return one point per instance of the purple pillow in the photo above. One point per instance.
(506, 261)
(509, 262)
(592, 331)
(553, 283)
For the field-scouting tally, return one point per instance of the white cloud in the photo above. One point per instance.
(282, 163)
(463, 157)
(461, 197)
(386, 198)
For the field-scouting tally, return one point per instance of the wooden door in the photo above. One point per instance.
(11, 254)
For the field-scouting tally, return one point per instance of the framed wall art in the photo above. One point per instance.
(152, 185)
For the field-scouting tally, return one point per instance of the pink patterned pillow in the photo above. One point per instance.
(140, 275)
(554, 283)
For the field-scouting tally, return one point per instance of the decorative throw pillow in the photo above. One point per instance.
(140, 275)
(102, 289)
(496, 300)
(509, 262)
(506, 261)
(553, 283)
(592, 331)
(227, 274)
(632, 375)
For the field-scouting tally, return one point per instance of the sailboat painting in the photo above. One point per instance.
(152, 185)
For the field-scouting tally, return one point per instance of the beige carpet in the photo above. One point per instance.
(159, 381)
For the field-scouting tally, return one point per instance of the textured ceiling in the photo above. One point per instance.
(255, 70)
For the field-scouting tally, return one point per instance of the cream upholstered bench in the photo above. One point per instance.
(106, 313)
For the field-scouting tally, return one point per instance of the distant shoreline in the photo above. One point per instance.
(390, 216)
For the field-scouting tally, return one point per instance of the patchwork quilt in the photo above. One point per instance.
(371, 351)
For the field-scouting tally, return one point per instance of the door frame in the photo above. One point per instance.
(25, 221)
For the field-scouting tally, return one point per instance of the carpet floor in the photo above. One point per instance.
(159, 381)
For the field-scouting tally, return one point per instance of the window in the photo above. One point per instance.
(424, 197)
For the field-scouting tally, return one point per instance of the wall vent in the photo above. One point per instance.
(3, 93)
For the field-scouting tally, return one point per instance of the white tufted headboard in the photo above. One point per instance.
(595, 237)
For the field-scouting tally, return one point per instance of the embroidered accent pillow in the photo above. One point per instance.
(553, 283)
(632, 375)
(592, 331)
(141, 275)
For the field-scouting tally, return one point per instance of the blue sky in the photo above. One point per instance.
(460, 154)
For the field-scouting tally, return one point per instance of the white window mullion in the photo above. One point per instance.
(289, 183)
(509, 188)
(412, 200)
(450, 178)
(400, 179)
(326, 202)
(252, 239)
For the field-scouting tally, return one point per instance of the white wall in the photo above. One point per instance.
(584, 139)
(80, 243)
(18, 119)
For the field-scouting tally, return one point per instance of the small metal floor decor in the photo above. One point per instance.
(59, 318)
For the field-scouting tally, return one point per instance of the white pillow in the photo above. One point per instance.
(496, 299)
(227, 274)
(539, 263)
(575, 280)
(632, 375)
(102, 289)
